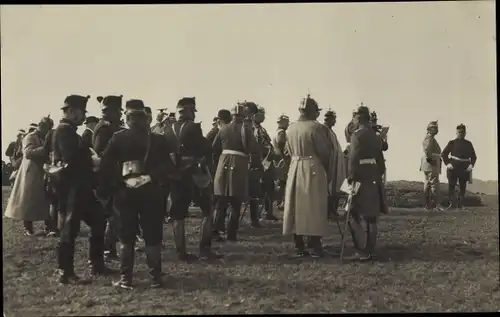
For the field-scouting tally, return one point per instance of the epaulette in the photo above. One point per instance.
(358, 129)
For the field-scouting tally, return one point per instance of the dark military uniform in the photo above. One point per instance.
(88, 134)
(138, 153)
(103, 133)
(74, 189)
(15, 151)
(232, 145)
(460, 157)
(49, 188)
(192, 157)
(366, 167)
(329, 122)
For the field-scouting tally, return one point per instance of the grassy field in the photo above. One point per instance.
(427, 262)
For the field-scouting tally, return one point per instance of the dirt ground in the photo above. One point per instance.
(427, 262)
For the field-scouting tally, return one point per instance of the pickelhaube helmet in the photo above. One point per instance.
(282, 118)
(432, 124)
(238, 109)
(330, 113)
(309, 103)
(461, 126)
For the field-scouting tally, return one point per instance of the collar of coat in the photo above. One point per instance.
(68, 122)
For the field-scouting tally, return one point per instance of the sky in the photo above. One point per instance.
(410, 62)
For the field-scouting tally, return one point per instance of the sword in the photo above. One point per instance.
(353, 191)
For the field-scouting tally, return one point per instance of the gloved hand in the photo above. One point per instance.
(349, 181)
(449, 166)
(469, 169)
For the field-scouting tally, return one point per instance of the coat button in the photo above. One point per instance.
(232, 168)
(310, 157)
(314, 173)
(225, 167)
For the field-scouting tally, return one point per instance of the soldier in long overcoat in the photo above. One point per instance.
(366, 167)
(111, 107)
(306, 195)
(28, 200)
(430, 164)
(339, 172)
(137, 189)
(232, 144)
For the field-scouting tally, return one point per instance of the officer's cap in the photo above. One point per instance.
(461, 126)
(110, 102)
(21, 131)
(91, 119)
(309, 103)
(224, 115)
(172, 115)
(33, 125)
(261, 110)
(162, 110)
(282, 118)
(185, 102)
(76, 102)
(147, 110)
(134, 106)
(373, 116)
(216, 118)
(250, 107)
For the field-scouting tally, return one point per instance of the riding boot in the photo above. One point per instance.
(371, 239)
(206, 239)
(96, 256)
(254, 213)
(451, 195)
(28, 228)
(300, 248)
(153, 255)
(314, 243)
(268, 207)
(127, 258)
(427, 197)
(220, 216)
(233, 223)
(180, 241)
(358, 234)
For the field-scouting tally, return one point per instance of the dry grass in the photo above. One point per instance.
(428, 262)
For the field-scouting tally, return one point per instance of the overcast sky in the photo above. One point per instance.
(410, 62)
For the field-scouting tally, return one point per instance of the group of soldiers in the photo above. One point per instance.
(118, 179)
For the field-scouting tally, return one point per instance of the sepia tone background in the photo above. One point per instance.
(410, 62)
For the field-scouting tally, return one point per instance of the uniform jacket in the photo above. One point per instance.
(103, 132)
(28, 200)
(460, 148)
(432, 151)
(231, 176)
(131, 145)
(306, 193)
(68, 147)
(15, 153)
(87, 137)
(370, 200)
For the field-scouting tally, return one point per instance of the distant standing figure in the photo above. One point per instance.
(28, 201)
(460, 158)
(310, 172)
(88, 134)
(431, 166)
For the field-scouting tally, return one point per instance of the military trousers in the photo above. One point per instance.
(76, 204)
(461, 175)
(268, 190)
(143, 208)
(364, 240)
(431, 188)
(111, 232)
(234, 206)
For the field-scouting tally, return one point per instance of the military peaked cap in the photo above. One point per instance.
(261, 109)
(223, 114)
(76, 101)
(148, 110)
(250, 106)
(91, 119)
(171, 115)
(110, 102)
(187, 102)
(216, 118)
(21, 131)
(309, 103)
(135, 106)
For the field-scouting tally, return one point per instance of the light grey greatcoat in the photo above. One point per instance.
(28, 200)
(306, 194)
(432, 150)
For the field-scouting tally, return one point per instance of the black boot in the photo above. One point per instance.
(206, 252)
(371, 240)
(96, 256)
(127, 257)
(427, 198)
(358, 235)
(254, 213)
(233, 223)
(66, 259)
(28, 228)
(153, 255)
(180, 241)
(317, 248)
(300, 248)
